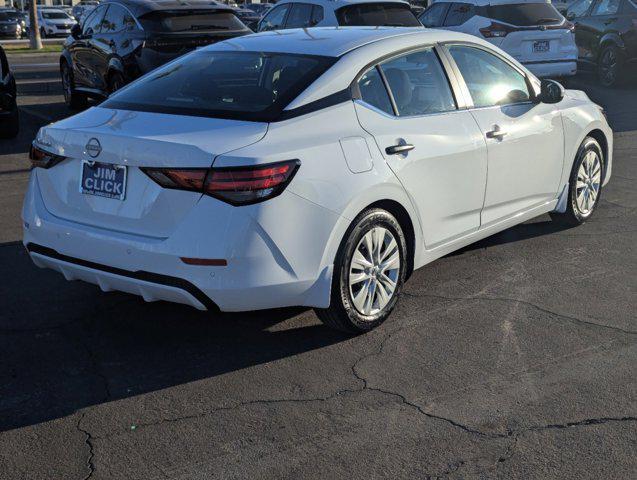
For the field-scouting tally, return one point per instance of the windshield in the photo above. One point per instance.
(377, 15)
(4, 17)
(239, 85)
(191, 21)
(55, 15)
(525, 14)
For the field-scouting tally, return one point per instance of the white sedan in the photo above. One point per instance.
(312, 167)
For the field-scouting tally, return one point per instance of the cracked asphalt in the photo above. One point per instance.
(513, 358)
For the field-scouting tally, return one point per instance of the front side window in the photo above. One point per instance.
(418, 84)
(578, 9)
(252, 86)
(459, 13)
(490, 80)
(373, 91)
(434, 16)
(275, 19)
(300, 16)
(606, 7)
(377, 15)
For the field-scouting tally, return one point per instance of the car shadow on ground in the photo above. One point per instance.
(90, 347)
(537, 227)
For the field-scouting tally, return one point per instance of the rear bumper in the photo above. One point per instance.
(554, 68)
(270, 263)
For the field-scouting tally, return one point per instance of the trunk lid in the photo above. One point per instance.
(134, 140)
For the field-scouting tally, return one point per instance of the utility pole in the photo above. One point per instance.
(35, 42)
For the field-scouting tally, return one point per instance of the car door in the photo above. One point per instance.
(435, 148)
(579, 14)
(275, 18)
(82, 49)
(110, 41)
(604, 19)
(524, 138)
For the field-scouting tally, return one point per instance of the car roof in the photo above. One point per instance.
(484, 3)
(141, 7)
(325, 41)
(336, 4)
(355, 47)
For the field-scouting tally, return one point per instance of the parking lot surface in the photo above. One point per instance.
(515, 357)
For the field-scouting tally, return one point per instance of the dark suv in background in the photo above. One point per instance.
(606, 37)
(9, 124)
(123, 39)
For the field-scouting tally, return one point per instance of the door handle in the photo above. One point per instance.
(396, 149)
(496, 133)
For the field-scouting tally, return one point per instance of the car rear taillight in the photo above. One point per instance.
(496, 30)
(233, 185)
(43, 159)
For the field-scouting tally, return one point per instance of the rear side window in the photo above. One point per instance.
(93, 21)
(490, 80)
(459, 13)
(524, 14)
(373, 91)
(191, 21)
(418, 84)
(238, 85)
(606, 7)
(377, 15)
(434, 16)
(117, 19)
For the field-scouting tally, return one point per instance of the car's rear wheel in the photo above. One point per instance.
(609, 66)
(585, 184)
(73, 99)
(369, 273)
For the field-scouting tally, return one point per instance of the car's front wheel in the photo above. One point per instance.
(585, 184)
(369, 273)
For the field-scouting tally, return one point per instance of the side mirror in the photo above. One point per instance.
(76, 31)
(551, 92)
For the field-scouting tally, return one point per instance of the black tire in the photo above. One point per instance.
(74, 99)
(342, 314)
(115, 82)
(10, 127)
(574, 215)
(610, 66)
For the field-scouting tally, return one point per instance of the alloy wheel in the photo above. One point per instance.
(589, 177)
(608, 66)
(374, 271)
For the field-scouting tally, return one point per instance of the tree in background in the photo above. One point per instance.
(35, 40)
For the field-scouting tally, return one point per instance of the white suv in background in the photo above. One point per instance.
(55, 22)
(531, 31)
(334, 13)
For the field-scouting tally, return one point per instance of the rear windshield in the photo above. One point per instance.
(377, 15)
(525, 14)
(191, 21)
(55, 15)
(238, 85)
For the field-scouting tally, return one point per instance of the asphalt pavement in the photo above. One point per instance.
(513, 358)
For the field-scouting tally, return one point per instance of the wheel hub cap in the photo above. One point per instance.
(374, 271)
(589, 178)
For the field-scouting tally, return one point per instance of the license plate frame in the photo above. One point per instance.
(541, 46)
(105, 180)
